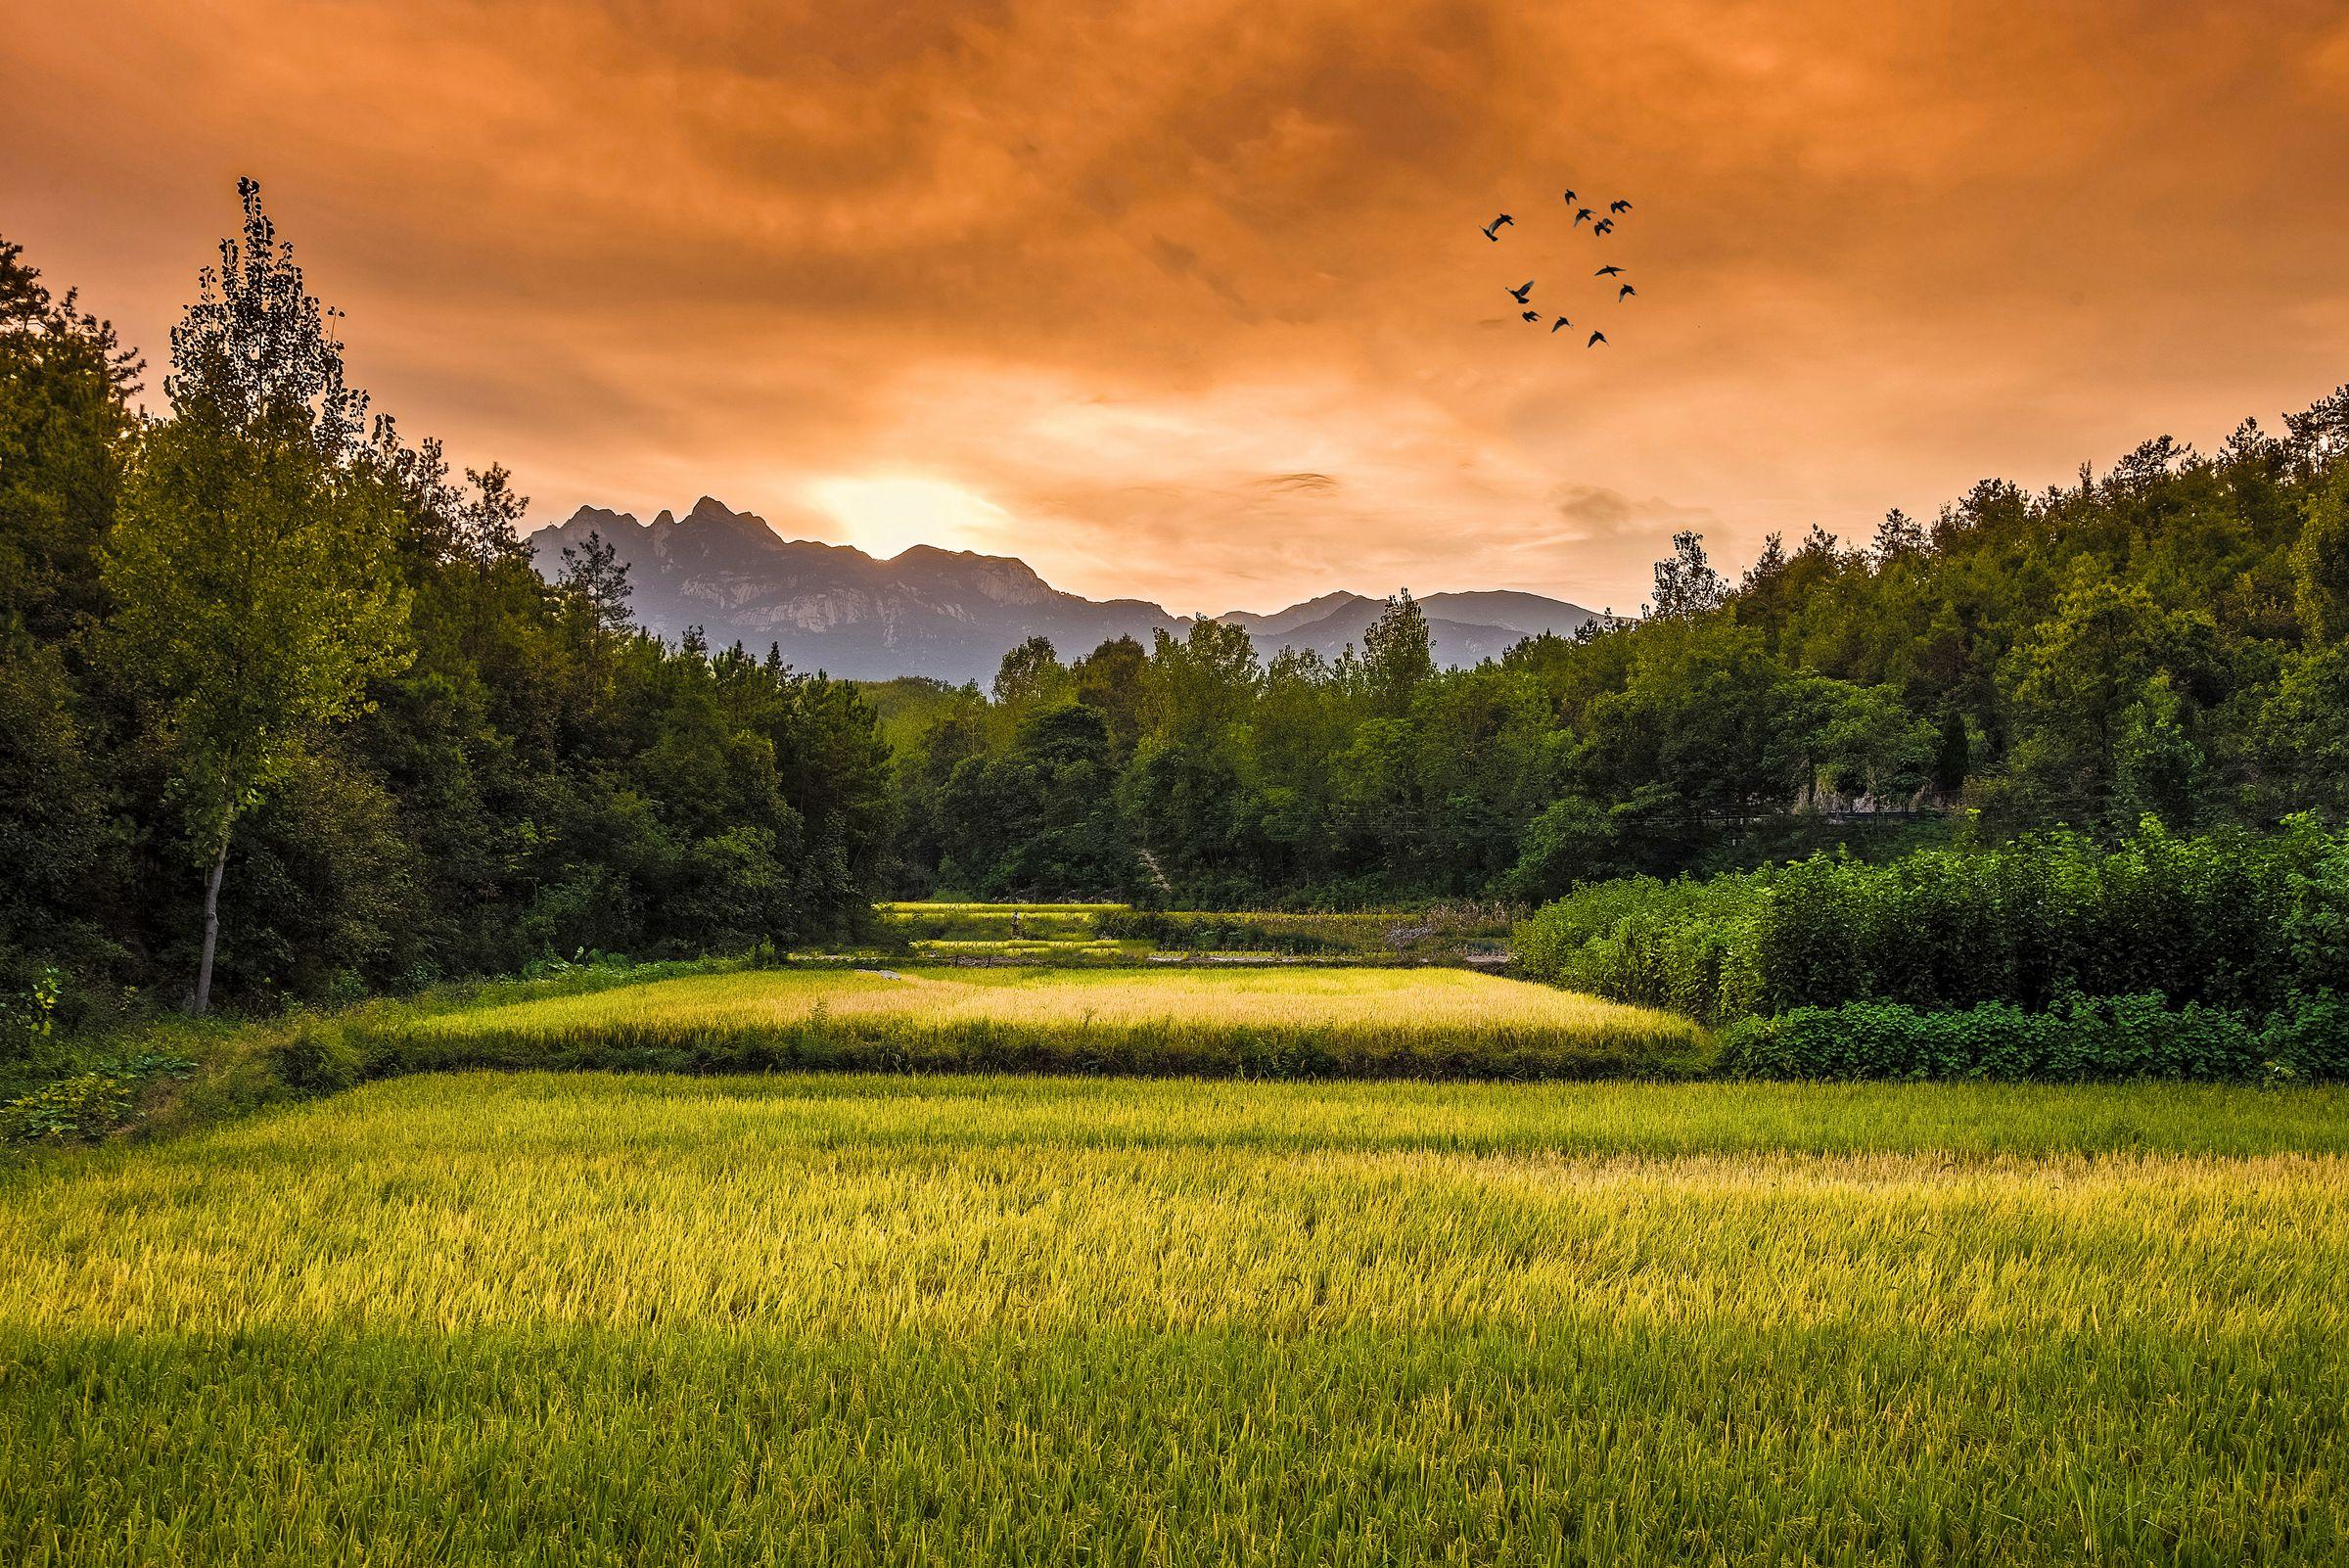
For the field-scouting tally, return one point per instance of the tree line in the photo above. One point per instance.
(285, 709)
(284, 702)
(2169, 639)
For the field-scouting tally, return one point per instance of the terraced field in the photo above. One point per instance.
(610, 1320)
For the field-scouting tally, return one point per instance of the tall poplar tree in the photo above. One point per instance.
(252, 571)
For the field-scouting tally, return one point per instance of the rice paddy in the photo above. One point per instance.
(602, 1320)
(1283, 1022)
(1056, 923)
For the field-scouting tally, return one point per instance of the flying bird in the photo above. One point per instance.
(1560, 322)
(1495, 224)
(1603, 226)
(1570, 199)
(1520, 294)
(1606, 273)
(1597, 339)
(1580, 213)
(1619, 206)
(1624, 293)
(1531, 315)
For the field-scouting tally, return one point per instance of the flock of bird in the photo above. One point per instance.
(1523, 293)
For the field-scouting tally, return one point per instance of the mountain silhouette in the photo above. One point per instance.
(952, 614)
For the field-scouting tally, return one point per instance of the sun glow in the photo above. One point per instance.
(884, 515)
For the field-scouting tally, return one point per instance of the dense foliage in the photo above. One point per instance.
(2220, 956)
(2115, 1037)
(2230, 920)
(2167, 640)
(250, 612)
(408, 754)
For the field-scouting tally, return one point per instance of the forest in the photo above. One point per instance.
(286, 712)
(2168, 640)
(264, 645)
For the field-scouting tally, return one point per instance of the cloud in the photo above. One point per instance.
(1132, 274)
(1299, 483)
(1595, 512)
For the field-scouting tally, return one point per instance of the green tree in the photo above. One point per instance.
(252, 571)
(1029, 674)
(2076, 684)
(2321, 562)
(597, 580)
(64, 422)
(1398, 655)
(1112, 679)
(2156, 765)
(1686, 583)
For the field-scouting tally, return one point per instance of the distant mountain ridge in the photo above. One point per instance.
(952, 614)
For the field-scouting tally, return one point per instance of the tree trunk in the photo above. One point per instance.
(202, 1001)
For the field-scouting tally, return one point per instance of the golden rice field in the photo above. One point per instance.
(992, 922)
(1277, 1022)
(925, 906)
(587, 1319)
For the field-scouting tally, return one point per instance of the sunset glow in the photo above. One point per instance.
(1088, 284)
(884, 516)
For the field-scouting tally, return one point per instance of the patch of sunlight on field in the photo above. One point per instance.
(1286, 1021)
(590, 1318)
(1289, 997)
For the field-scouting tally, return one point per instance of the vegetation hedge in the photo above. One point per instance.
(2112, 1037)
(1440, 929)
(2232, 920)
(907, 923)
(1263, 930)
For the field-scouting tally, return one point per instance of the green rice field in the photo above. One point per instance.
(596, 1319)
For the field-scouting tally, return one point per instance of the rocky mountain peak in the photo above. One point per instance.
(952, 614)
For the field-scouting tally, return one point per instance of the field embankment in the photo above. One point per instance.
(602, 1320)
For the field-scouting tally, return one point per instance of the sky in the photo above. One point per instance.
(1190, 302)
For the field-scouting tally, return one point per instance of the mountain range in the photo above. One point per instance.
(952, 614)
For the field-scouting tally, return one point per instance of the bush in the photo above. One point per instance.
(2308, 1037)
(2235, 921)
(2105, 1039)
(29, 1019)
(1687, 944)
(317, 1058)
(89, 1105)
(1443, 931)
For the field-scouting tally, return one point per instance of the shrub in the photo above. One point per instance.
(1688, 945)
(2105, 1039)
(87, 1104)
(2235, 921)
(28, 1020)
(1441, 931)
(2308, 1037)
(317, 1058)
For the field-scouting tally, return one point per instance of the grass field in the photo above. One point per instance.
(1265, 1022)
(587, 1319)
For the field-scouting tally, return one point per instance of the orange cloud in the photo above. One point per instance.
(1119, 275)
